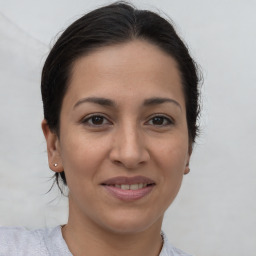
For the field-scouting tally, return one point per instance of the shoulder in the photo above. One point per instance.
(20, 241)
(169, 250)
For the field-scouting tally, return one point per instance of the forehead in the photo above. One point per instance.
(134, 68)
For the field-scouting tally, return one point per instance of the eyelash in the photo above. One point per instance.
(168, 121)
(89, 118)
(88, 121)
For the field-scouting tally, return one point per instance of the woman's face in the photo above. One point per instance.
(123, 137)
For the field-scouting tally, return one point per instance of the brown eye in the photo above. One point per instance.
(96, 120)
(160, 121)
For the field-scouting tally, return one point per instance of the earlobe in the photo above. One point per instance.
(53, 150)
(187, 169)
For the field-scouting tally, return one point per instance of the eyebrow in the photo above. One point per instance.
(96, 100)
(111, 103)
(159, 100)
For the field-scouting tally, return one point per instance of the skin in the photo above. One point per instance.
(126, 141)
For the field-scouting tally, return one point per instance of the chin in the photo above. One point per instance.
(126, 229)
(131, 224)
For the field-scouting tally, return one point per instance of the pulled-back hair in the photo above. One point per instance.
(113, 24)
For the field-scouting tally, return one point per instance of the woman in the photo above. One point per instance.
(120, 95)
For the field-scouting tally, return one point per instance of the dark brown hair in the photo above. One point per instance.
(109, 25)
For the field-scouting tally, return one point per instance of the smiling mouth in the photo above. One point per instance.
(129, 188)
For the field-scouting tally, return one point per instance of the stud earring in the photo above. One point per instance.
(55, 165)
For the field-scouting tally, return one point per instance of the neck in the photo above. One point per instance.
(84, 237)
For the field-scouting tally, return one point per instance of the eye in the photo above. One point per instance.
(96, 120)
(160, 121)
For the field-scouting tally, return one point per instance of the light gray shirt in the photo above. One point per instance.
(49, 242)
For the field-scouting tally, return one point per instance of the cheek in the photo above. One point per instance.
(172, 156)
(173, 162)
(81, 156)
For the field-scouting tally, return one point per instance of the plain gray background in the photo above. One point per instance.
(215, 211)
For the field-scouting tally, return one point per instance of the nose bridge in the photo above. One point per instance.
(131, 139)
(129, 146)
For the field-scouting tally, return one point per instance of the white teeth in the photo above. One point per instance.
(125, 187)
(134, 186)
(131, 187)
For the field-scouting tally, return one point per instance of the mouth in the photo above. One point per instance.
(129, 188)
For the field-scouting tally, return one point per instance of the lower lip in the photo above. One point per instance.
(129, 195)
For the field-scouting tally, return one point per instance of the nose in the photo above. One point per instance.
(128, 148)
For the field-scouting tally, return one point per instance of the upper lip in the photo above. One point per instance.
(128, 180)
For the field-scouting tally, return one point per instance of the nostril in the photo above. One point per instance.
(117, 162)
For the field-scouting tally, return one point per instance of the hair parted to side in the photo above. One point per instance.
(116, 23)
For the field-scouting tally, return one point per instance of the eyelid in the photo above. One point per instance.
(85, 119)
(166, 117)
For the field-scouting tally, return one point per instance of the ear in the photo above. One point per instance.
(187, 169)
(53, 148)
